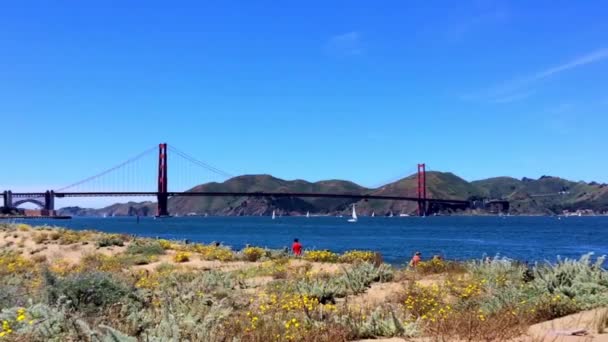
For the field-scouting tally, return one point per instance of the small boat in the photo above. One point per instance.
(354, 215)
(391, 214)
(273, 215)
(307, 214)
(373, 214)
(404, 215)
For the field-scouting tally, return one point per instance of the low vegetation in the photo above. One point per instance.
(159, 290)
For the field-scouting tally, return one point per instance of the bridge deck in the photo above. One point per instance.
(243, 194)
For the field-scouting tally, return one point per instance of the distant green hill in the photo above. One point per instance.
(546, 195)
(264, 206)
(444, 185)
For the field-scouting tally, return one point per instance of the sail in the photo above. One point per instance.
(373, 214)
(273, 215)
(354, 213)
(308, 214)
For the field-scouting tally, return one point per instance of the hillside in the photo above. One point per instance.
(264, 206)
(444, 185)
(546, 195)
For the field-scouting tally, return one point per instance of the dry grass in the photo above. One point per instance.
(601, 321)
(470, 325)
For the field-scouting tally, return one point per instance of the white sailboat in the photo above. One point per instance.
(354, 216)
(373, 214)
(391, 214)
(273, 215)
(307, 214)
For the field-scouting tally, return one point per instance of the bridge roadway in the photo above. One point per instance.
(243, 194)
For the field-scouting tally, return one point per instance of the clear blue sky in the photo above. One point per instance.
(352, 90)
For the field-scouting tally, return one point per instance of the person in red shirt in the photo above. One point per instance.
(296, 248)
(415, 259)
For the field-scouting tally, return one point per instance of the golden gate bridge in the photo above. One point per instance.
(46, 200)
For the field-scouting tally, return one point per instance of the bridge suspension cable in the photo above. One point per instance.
(110, 170)
(202, 164)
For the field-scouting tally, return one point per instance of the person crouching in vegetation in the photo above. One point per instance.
(296, 248)
(416, 259)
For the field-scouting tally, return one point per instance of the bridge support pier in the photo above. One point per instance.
(162, 209)
(7, 196)
(49, 200)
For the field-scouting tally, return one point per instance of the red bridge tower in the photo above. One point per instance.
(162, 196)
(422, 205)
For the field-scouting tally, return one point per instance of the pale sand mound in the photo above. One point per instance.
(587, 320)
(22, 242)
(318, 267)
(393, 339)
(377, 294)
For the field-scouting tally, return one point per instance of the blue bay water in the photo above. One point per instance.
(523, 238)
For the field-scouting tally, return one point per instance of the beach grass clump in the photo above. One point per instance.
(253, 253)
(471, 324)
(213, 252)
(14, 263)
(145, 247)
(437, 266)
(114, 263)
(355, 256)
(182, 257)
(68, 236)
(40, 238)
(276, 268)
(108, 240)
(320, 256)
(382, 321)
(166, 244)
(22, 227)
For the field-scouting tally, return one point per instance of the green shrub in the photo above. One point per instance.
(583, 280)
(86, 292)
(325, 290)
(354, 281)
(41, 322)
